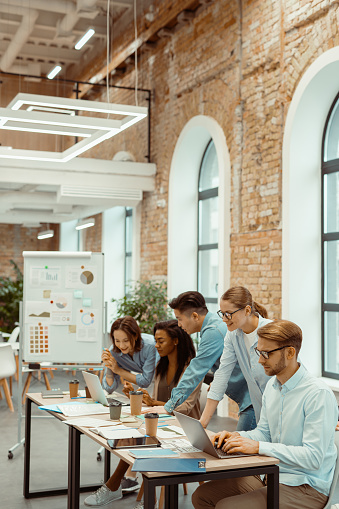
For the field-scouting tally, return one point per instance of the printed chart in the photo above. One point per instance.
(38, 339)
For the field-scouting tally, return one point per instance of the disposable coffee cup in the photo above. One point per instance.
(136, 402)
(73, 388)
(115, 410)
(88, 394)
(151, 424)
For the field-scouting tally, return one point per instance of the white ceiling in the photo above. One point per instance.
(35, 35)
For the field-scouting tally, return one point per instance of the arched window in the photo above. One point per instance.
(128, 247)
(330, 244)
(208, 227)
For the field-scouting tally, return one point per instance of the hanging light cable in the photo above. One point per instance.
(107, 52)
(136, 52)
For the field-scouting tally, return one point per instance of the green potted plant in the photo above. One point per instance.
(11, 294)
(146, 301)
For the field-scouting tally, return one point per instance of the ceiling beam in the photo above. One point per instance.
(164, 13)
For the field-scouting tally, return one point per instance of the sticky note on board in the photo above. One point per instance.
(72, 329)
(46, 294)
(78, 294)
(87, 303)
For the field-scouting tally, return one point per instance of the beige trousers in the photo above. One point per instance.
(250, 493)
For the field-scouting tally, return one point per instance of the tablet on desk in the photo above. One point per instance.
(133, 443)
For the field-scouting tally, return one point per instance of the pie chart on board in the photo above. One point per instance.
(86, 277)
(61, 303)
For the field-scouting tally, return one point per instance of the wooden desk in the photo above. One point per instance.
(215, 468)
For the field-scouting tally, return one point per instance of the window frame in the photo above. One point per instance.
(205, 195)
(327, 168)
(128, 254)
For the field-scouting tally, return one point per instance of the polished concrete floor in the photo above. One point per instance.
(49, 457)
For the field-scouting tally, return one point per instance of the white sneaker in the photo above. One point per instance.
(140, 505)
(103, 496)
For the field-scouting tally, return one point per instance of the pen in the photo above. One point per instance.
(79, 397)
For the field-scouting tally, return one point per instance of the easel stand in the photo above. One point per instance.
(55, 367)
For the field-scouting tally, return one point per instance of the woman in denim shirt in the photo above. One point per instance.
(130, 352)
(243, 316)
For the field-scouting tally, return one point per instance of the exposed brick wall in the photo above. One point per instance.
(15, 239)
(92, 236)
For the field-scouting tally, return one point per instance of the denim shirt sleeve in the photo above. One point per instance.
(116, 382)
(148, 367)
(209, 351)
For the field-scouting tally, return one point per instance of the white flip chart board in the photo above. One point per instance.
(63, 311)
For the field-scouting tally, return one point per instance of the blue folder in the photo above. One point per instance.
(185, 465)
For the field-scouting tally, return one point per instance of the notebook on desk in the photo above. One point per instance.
(198, 437)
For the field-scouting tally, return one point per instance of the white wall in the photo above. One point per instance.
(113, 247)
(68, 238)
(301, 250)
(183, 205)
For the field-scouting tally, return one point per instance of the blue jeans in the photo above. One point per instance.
(246, 419)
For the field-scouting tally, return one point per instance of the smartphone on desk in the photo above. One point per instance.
(133, 443)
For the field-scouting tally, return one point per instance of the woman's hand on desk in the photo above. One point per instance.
(127, 388)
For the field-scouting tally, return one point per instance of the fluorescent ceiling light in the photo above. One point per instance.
(84, 38)
(56, 115)
(85, 223)
(46, 234)
(54, 72)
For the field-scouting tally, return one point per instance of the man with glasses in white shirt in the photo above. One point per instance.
(297, 426)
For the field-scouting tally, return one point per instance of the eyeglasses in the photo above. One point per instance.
(267, 354)
(226, 314)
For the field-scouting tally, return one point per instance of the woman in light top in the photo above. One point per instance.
(175, 348)
(243, 316)
(131, 351)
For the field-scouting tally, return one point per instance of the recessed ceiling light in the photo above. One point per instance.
(46, 234)
(85, 223)
(54, 72)
(84, 38)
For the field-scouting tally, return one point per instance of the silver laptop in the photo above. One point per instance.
(97, 392)
(198, 437)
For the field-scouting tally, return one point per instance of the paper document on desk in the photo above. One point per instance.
(72, 410)
(89, 422)
(117, 432)
(170, 432)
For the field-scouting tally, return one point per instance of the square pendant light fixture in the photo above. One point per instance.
(65, 117)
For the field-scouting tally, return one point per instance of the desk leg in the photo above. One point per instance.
(27, 448)
(171, 496)
(273, 488)
(73, 469)
(107, 467)
(149, 494)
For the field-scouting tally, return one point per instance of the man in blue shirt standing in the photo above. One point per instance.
(193, 316)
(297, 425)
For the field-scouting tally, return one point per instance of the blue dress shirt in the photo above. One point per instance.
(297, 426)
(210, 348)
(143, 362)
(235, 351)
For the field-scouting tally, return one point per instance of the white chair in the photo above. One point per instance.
(336, 473)
(7, 369)
(14, 335)
(13, 341)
